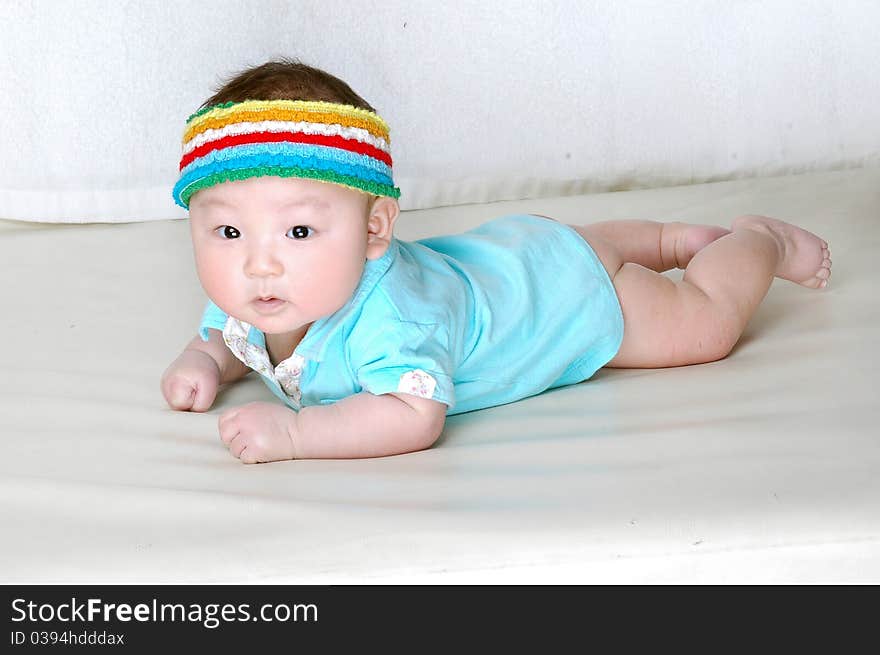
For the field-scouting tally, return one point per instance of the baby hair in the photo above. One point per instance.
(286, 79)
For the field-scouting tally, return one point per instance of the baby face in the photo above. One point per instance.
(279, 253)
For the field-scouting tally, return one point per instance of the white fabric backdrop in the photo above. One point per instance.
(487, 100)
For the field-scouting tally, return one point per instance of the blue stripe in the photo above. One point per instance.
(298, 151)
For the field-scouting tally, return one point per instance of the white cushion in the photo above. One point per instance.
(759, 468)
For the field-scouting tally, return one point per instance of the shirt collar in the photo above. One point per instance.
(314, 343)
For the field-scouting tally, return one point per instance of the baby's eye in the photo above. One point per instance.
(299, 231)
(228, 232)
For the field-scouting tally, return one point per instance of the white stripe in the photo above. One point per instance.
(334, 129)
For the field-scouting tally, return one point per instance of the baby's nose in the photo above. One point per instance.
(262, 263)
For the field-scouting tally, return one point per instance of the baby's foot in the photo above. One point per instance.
(681, 241)
(803, 257)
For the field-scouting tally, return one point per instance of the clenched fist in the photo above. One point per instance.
(191, 382)
(259, 432)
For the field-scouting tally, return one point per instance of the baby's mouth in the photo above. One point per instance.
(268, 303)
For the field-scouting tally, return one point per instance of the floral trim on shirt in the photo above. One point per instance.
(286, 375)
(418, 383)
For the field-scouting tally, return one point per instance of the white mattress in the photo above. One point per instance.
(763, 467)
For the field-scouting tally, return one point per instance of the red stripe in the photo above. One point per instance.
(290, 137)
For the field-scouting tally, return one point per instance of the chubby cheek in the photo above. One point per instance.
(217, 281)
(329, 284)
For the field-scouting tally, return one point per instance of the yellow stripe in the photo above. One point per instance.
(288, 110)
(295, 105)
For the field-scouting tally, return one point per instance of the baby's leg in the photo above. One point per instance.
(658, 246)
(701, 317)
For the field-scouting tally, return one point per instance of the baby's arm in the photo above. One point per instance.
(231, 367)
(191, 381)
(366, 425)
(363, 425)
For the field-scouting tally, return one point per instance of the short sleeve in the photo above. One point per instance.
(405, 357)
(213, 317)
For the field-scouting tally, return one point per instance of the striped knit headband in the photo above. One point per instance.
(286, 138)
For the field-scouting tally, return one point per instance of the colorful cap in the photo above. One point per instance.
(324, 141)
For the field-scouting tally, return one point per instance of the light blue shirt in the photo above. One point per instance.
(504, 311)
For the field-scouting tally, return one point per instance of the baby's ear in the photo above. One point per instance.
(380, 226)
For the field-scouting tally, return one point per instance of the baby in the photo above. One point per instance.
(371, 341)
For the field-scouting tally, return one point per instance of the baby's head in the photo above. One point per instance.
(286, 173)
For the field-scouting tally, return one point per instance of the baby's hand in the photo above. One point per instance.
(259, 432)
(191, 382)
